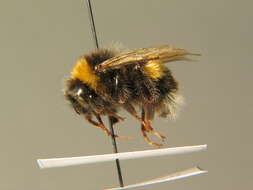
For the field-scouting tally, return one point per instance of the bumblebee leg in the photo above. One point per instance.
(109, 132)
(144, 129)
(99, 124)
(149, 129)
(148, 110)
(130, 109)
(116, 116)
(147, 139)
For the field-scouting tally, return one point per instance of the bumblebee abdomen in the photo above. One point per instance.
(154, 69)
(169, 100)
(159, 89)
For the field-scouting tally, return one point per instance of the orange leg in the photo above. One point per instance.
(116, 116)
(98, 124)
(130, 109)
(149, 129)
(145, 124)
(101, 125)
(147, 139)
(146, 127)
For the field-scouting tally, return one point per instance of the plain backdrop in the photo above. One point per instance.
(39, 44)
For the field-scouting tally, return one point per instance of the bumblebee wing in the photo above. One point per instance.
(160, 54)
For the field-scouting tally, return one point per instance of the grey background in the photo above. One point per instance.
(40, 42)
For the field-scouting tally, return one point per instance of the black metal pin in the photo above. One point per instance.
(92, 24)
(93, 29)
(116, 151)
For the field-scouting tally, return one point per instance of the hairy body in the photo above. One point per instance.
(96, 89)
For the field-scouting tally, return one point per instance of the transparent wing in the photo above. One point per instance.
(161, 54)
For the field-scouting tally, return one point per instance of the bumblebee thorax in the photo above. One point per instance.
(85, 73)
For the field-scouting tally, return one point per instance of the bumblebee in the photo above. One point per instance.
(106, 80)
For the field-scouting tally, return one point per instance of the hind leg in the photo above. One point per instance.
(150, 129)
(146, 127)
(148, 114)
(146, 138)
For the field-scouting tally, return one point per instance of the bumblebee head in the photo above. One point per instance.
(77, 94)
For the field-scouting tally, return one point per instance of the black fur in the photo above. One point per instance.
(116, 87)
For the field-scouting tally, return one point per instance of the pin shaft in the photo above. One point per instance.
(94, 34)
(92, 23)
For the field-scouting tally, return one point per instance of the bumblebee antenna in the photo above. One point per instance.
(94, 33)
